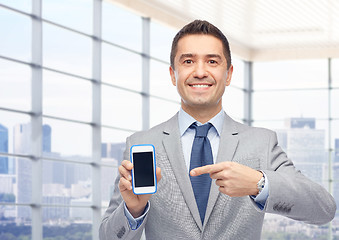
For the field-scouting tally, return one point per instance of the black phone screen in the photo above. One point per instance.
(143, 169)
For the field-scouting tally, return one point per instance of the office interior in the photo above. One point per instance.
(79, 76)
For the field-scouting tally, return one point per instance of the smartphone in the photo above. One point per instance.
(144, 180)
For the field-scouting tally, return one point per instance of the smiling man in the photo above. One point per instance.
(201, 73)
(218, 177)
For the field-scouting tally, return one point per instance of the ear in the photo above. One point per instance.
(172, 73)
(229, 75)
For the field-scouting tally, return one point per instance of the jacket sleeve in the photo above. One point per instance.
(114, 223)
(291, 193)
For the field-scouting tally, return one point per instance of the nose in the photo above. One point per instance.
(200, 70)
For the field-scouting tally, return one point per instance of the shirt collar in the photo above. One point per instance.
(186, 120)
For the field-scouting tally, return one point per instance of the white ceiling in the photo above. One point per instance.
(258, 30)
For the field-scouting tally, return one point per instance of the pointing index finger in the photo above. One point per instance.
(205, 169)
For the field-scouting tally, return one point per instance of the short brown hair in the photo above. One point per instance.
(201, 27)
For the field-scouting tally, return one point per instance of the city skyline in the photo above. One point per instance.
(64, 183)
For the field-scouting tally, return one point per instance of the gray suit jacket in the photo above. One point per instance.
(173, 211)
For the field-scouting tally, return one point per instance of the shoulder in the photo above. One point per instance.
(250, 129)
(258, 139)
(245, 130)
(156, 131)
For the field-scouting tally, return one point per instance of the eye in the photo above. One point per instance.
(188, 61)
(212, 61)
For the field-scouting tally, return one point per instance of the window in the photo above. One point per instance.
(161, 110)
(283, 74)
(277, 105)
(121, 108)
(74, 14)
(67, 97)
(22, 5)
(335, 73)
(121, 27)
(14, 74)
(296, 104)
(84, 120)
(160, 81)
(121, 68)
(233, 102)
(161, 41)
(66, 51)
(68, 139)
(15, 32)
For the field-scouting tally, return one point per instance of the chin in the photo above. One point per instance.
(202, 105)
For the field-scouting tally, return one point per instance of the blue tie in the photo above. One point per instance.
(201, 155)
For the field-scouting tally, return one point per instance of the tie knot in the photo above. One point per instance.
(201, 131)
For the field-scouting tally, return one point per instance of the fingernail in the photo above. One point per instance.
(192, 173)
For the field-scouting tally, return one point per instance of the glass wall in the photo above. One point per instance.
(295, 98)
(76, 81)
(71, 91)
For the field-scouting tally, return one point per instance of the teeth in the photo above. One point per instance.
(201, 86)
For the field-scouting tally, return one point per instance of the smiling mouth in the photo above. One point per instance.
(200, 85)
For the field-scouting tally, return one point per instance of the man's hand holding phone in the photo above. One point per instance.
(135, 203)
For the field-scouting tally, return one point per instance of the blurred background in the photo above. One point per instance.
(79, 76)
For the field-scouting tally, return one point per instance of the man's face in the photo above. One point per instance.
(200, 72)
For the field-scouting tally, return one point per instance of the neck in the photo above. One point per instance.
(202, 114)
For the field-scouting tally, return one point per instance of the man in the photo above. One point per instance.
(247, 176)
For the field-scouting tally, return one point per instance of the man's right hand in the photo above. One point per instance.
(135, 203)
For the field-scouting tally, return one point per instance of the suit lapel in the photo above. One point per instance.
(227, 147)
(173, 147)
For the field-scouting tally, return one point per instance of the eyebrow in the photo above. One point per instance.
(190, 55)
(213, 56)
(186, 55)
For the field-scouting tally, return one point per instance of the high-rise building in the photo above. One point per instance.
(21, 138)
(111, 154)
(113, 151)
(308, 123)
(4, 149)
(104, 150)
(336, 150)
(305, 145)
(46, 138)
(306, 148)
(55, 213)
(108, 177)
